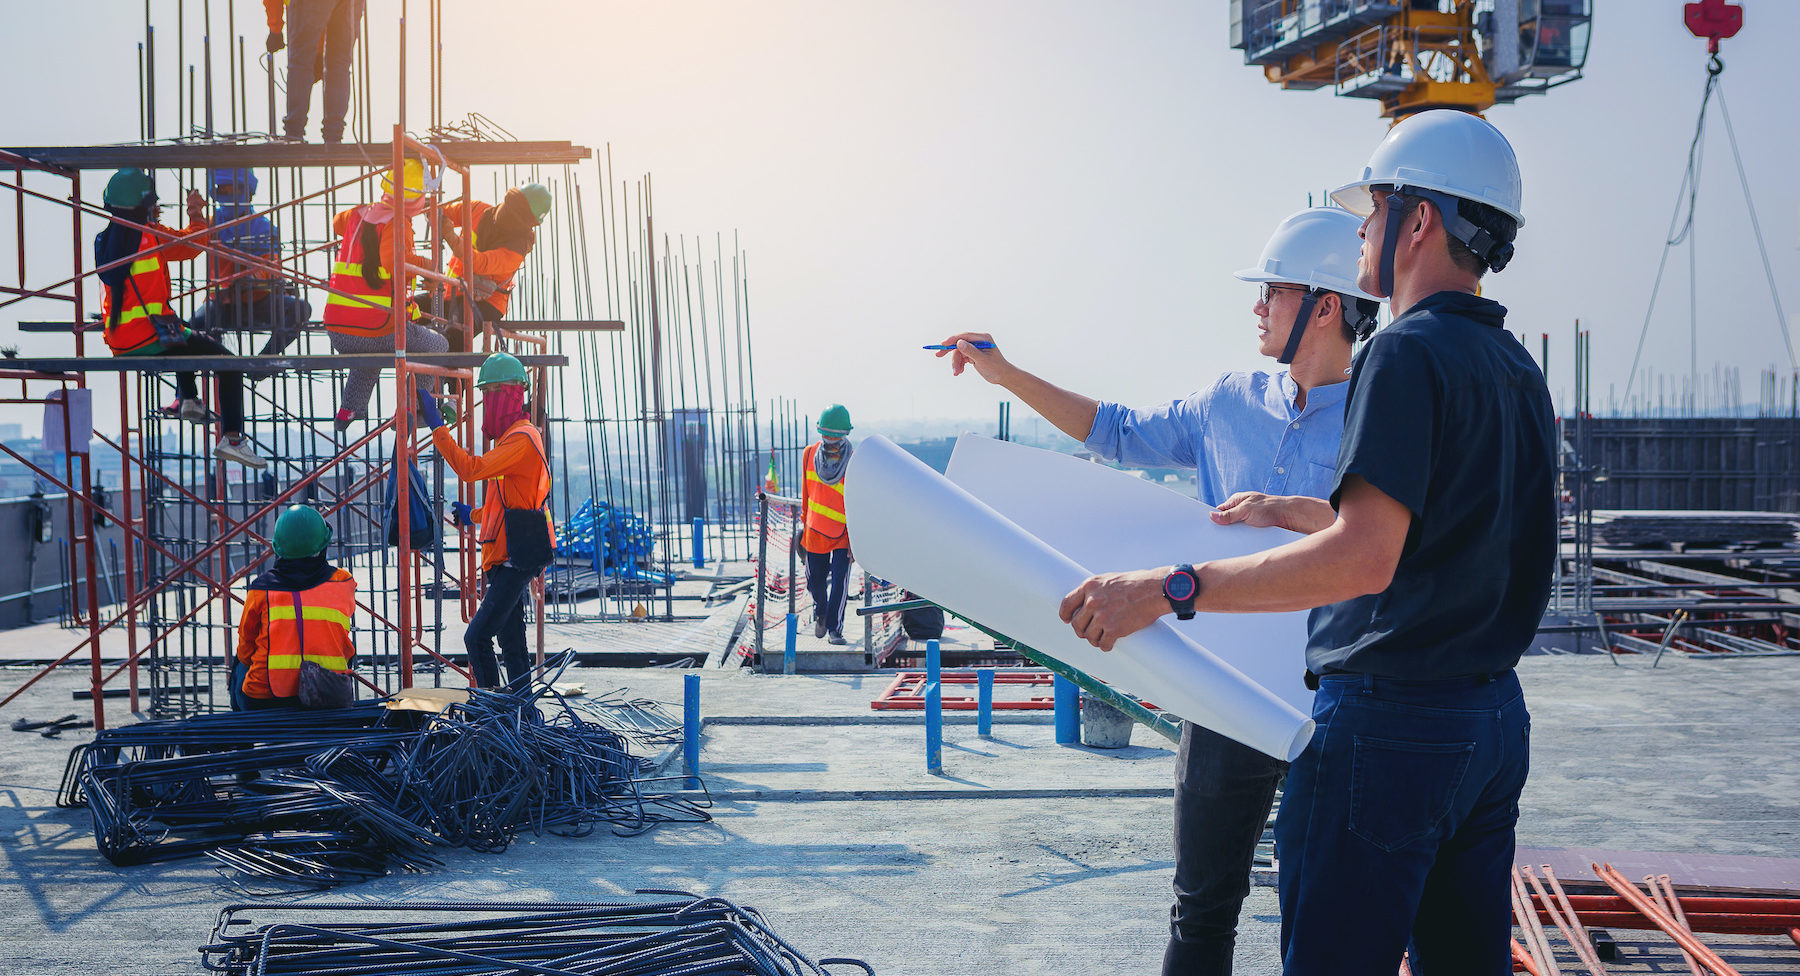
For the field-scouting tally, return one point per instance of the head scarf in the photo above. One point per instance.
(382, 212)
(502, 406)
(831, 459)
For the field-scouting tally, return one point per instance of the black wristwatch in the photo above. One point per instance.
(1180, 588)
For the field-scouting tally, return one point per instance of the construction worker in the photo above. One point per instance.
(826, 536)
(298, 611)
(324, 45)
(245, 297)
(1260, 431)
(358, 310)
(135, 302)
(1431, 567)
(518, 463)
(501, 237)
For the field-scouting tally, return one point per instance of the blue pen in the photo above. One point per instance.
(978, 345)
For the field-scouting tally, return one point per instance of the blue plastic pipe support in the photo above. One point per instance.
(690, 729)
(934, 711)
(984, 701)
(1068, 711)
(699, 542)
(793, 635)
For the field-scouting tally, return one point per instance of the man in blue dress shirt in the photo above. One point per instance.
(1430, 568)
(1248, 436)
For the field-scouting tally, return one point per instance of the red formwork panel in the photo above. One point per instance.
(908, 690)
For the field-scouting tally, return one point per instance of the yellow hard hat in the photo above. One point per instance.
(417, 184)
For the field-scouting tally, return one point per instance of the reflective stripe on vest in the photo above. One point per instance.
(824, 522)
(363, 311)
(309, 625)
(146, 293)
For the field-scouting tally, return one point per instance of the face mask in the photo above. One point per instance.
(502, 406)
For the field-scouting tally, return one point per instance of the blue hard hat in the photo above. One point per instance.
(242, 178)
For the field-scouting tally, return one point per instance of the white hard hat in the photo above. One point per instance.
(1317, 248)
(1445, 150)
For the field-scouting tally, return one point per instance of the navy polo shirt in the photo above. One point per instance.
(1448, 415)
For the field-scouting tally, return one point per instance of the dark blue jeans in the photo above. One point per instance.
(1396, 827)
(1223, 791)
(827, 576)
(501, 616)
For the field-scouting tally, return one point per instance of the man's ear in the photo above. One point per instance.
(1328, 309)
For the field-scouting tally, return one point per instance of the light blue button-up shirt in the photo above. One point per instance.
(1242, 434)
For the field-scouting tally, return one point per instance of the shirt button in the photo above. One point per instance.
(1295, 425)
(1281, 471)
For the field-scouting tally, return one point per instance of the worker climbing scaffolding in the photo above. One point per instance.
(499, 239)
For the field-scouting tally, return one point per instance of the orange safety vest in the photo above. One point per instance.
(496, 291)
(308, 625)
(146, 293)
(493, 503)
(826, 528)
(370, 313)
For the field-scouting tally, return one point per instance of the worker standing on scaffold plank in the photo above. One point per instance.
(324, 35)
(298, 612)
(501, 237)
(1246, 434)
(245, 298)
(826, 536)
(515, 528)
(135, 309)
(361, 321)
(1430, 567)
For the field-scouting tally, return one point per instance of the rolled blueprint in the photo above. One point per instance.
(1109, 521)
(914, 527)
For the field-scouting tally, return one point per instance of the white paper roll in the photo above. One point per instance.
(912, 526)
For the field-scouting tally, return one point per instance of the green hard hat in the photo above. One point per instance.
(129, 189)
(835, 421)
(501, 368)
(300, 532)
(538, 195)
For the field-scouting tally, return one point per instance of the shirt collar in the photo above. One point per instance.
(1319, 397)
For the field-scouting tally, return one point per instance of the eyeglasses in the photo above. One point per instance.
(1269, 289)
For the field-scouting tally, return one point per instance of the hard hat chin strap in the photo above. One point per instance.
(1492, 252)
(1298, 332)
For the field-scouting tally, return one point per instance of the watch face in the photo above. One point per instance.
(1178, 586)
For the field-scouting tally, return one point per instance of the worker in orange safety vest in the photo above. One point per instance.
(518, 465)
(826, 536)
(298, 611)
(499, 240)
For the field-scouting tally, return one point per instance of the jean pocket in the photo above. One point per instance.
(1400, 791)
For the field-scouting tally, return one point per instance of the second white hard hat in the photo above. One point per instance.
(1316, 247)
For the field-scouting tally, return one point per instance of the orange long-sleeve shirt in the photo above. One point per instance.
(517, 463)
(498, 264)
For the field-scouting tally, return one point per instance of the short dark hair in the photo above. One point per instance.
(1500, 227)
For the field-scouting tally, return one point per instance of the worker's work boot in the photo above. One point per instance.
(837, 637)
(192, 411)
(237, 449)
(818, 628)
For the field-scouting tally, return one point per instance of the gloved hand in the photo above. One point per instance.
(428, 410)
(461, 510)
(275, 42)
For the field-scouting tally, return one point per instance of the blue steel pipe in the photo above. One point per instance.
(984, 702)
(793, 635)
(1068, 711)
(690, 729)
(934, 711)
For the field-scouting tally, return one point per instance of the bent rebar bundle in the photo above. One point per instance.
(321, 798)
(688, 935)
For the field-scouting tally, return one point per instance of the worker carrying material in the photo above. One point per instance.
(358, 312)
(1262, 431)
(826, 536)
(294, 648)
(514, 521)
(135, 302)
(501, 237)
(324, 46)
(245, 298)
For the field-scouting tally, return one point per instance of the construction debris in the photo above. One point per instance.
(320, 798)
(687, 934)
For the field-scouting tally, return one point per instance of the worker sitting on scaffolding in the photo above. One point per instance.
(135, 297)
(358, 311)
(245, 297)
(294, 648)
(501, 237)
(515, 529)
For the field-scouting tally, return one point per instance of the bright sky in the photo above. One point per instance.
(1079, 178)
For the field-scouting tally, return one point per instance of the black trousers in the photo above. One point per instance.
(827, 578)
(1223, 792)
(231, 384)
(501, 617)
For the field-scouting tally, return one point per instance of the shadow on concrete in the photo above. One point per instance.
(1082, 872)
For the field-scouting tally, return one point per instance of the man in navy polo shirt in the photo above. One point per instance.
(1430, 579)
(1270, 434)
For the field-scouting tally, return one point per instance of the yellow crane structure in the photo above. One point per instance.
(1415, 55)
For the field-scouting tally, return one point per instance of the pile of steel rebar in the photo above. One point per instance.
(672, 935)
(322, 798)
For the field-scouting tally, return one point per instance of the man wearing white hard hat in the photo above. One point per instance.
(1248, 436)
(1431, 571)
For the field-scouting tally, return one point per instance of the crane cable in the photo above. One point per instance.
(1681, 223)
